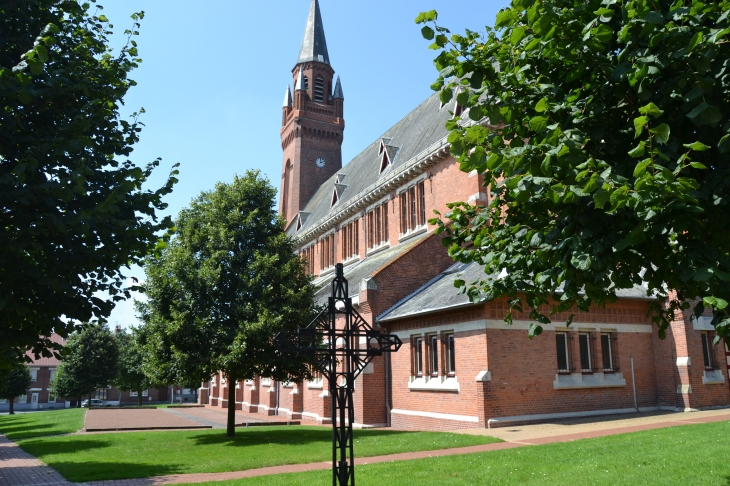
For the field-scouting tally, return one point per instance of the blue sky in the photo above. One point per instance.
(214, 76)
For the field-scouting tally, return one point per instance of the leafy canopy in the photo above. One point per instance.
(605, 150)
(72, 207)
(228, 282)
(129, 373)
(14, 382)
(89, 361)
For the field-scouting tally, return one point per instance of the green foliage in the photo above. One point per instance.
(14, 381)
(130, 374)
(55, 422)
(578, 210)
(72, 207)
(89, 361)
(226, 284)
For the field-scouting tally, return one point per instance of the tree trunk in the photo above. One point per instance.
(231, 426)
(11, 401)
(78, 403)
(91, 395)
(139, 398)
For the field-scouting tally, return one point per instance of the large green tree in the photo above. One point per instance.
(14, 382)
(130, 374)
(602, 130)
(89, 361)
(72, 207)
(228, 282)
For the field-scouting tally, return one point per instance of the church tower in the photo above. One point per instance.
(312, 122)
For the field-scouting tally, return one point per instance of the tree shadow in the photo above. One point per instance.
(23, 427)
(40, 447)
(291, 436)
(81, 472)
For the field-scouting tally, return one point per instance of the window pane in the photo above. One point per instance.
(451, 352)
(403, 217)
(434, 354)
(562, 346)
(585, 352)
(606, 352)
(422, 203)
(419, 357)
(706, 350)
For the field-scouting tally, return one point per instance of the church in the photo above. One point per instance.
(461, 365)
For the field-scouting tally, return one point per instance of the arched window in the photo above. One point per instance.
(319, 90)
(285, 189)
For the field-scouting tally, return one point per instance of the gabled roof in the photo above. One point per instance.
(416, 132)
(314, 44)
(440, 294)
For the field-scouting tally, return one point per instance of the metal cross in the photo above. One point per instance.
(341, 355)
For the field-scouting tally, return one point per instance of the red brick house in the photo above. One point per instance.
(461, 365)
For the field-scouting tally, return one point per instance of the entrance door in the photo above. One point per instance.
(34, 401)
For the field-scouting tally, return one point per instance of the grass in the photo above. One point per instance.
(686, 455)
(39, 424)
(91, 457)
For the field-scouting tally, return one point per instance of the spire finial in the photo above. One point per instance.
(287, 97)
(314, 44)
(338, 90)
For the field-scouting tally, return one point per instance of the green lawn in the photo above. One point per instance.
(91, 457)
(39, 424)
(686, 455)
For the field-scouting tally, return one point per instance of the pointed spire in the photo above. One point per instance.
(338, 90)
(287, 98)
(314, 44)
(299, 85)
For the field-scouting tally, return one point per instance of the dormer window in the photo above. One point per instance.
(387, 157)
(319, 90)
(301, 219)
(338, 191)
(384, 161)
(335, 197)
(383, 143)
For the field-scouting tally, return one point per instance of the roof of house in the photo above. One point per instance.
(363, 269)
(440, 294)
(418, 130)
(53, 361)
(314, 44)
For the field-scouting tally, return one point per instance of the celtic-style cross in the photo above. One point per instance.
(340, 354)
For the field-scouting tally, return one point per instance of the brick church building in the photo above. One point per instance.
(461, 365)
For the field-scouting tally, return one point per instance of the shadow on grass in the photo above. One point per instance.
(79, 472)
(39, 447)
(292, 436)
(10, 430)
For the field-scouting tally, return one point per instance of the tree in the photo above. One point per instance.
(130, 375)
(14, 381)
(601, 128)
(228, 282)
(89, 361)
(72, 207)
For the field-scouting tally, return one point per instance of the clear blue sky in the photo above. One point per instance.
(214, 76)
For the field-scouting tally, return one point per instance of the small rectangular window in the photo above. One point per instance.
(422, 203)
(561, 340)
(450, 355)
(433, 349)
(607, 353)
(707, 351)
(101, 393)
(403, 213)
(418, 356)
(584, 339)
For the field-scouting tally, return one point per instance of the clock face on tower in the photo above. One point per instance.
(320, 163)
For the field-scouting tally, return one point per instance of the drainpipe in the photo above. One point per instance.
(276, 410)
(633, 382)
(388, 408)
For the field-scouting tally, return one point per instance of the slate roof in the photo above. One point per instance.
(417, 131)
(356, 272)
(314, 44)
(440, 294)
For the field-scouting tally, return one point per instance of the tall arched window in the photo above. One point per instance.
(285, 189)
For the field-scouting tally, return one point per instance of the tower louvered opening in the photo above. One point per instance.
(319, 90)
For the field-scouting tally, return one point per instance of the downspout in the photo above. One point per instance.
(633, 382)
(388, 407)
(276, 410)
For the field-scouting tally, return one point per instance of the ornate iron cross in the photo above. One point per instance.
(341, 355)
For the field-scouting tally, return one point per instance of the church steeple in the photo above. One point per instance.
(313, 127)
(314, 44)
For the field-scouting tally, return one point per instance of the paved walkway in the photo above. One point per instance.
(20, 469)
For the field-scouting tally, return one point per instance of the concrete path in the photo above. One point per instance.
(19, 469)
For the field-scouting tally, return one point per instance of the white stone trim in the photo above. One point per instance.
(383, 200)
(382, 246)
(418, 230)
(479, 196)
(684, 361)
(567, 415)
(684, 389)
(316, 383)
(438, 383)
(594, 380)
(702, 323)
(484, 376)
(411, 183)
(713, 377)
(435, 415)
(517, 326)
